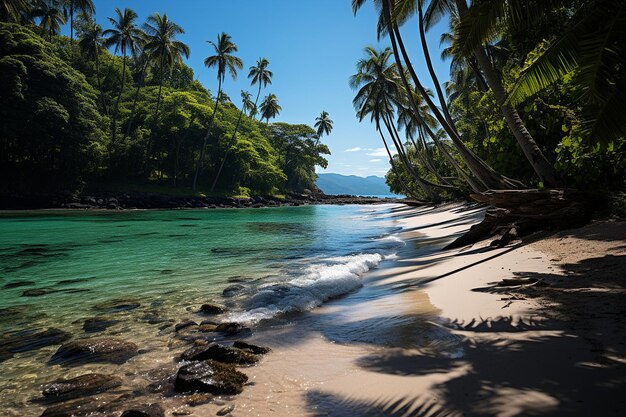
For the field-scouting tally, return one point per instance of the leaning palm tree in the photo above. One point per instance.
(163, 48)
(127, 39)
(225, 61)
(260, 75)
(323, 124)
(13, 10)
(270, 107)
(91, 42)
(246, 104)
(84, 6)
(51, 16)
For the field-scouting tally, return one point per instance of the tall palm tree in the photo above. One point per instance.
(163, 48)
(260, 75)
(224, 61)
(13, 10)
(270, 107)
(91, 42)
(247, 103)
(51, 16)
(141, 63)
(323, 124)
(127, 38)
(84, 6)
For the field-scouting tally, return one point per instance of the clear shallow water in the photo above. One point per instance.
(167, 263)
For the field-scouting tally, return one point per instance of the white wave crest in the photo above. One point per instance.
(318, 283)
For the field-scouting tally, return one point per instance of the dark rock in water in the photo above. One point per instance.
(210, 376)
(225, 410)
(94, 350)
(219, 353)
(152, 410)
(98, 324)
(184, 324)
(232, 328)
(103, 405)
(211, 309)
(117, 305)
(237, 278)
(17, 284)
(30, 339)
(233, 290)
(257, 350)
(36, 292)
(80, 386)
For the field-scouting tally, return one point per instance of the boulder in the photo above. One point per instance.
(211, 309)
(233, 290)
(219, 353)
(98, 324)
(231, 328)
(249, 347)
(152, 410)
(80, 386)
(109, 350)
(210, 376)
(30, 339)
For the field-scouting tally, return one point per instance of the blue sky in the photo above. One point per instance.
(312, 46)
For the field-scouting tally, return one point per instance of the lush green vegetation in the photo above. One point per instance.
(118, 105)
(537, 96)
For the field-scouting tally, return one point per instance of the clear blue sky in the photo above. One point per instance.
(312, 46)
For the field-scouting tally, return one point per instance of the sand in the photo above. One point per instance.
(435, 333)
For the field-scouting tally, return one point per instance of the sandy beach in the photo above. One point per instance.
(534, 328)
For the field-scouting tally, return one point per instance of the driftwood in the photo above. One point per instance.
(516, 213)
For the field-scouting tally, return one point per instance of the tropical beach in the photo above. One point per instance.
(329, 208)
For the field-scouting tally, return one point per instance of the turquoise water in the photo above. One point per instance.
(59, 268)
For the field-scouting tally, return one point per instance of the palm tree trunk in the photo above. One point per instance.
(540, 164)
(230, 146)
(72, 26)
(258, 94)
(117, 102)
(161, 70)
(206, 136)
(142, 76)
(407, 190)
(99, 81)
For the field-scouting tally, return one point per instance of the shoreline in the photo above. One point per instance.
(447, 332)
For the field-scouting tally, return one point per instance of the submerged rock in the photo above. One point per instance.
(117, 305)
(98, 324)
(152, 410)
(80, 386)
(95, 350)
(219, 353)
(36, 292)
(210, 376)
(233, 290)
(231, 328)
(225, 410)
(184, 324)
(249, 347)
(212, 309)
(17, 284)
(30, 339)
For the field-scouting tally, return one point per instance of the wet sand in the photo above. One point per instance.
(435, 333)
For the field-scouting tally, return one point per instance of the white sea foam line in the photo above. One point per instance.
(319, 283)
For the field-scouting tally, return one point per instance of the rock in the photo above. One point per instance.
(95, 350)
(257, 350)
(195, 400)
(117, 305)
(226, 410)
(184, 324)
(152, 410)
(232, 328)
(36, 292)
(98, 324)
(219, 353)
(17, 284)
(80, 386)
(30, 339)
(210, 376)
(211, 309)
(233, 290)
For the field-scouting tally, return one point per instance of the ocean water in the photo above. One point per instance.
(146, 270)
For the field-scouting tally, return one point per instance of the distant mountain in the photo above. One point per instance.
(333, 184)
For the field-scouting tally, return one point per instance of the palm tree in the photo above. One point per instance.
(91, 41)
(162, 47)
(225, 61)
(270, 107)
(324, 125)
(247, 104)
(126, 38)
(13, 10)
(51, 16)
(260, 75)
(84, 6)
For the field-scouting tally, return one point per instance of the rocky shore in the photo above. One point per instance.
(136, 200)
